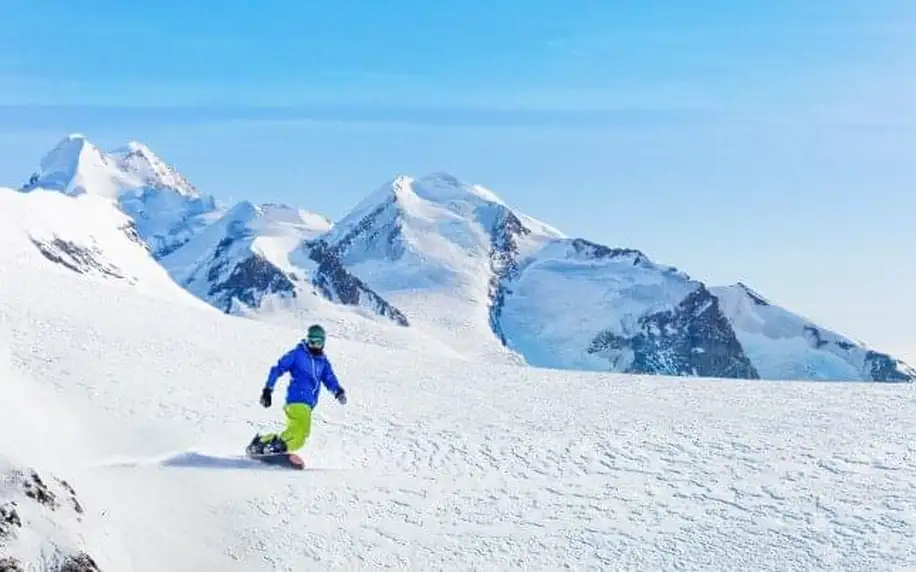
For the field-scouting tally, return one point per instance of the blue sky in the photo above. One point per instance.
(771, 142)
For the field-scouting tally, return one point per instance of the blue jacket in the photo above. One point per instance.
(308, 372)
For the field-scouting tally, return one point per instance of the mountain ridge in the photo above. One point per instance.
(454, 261)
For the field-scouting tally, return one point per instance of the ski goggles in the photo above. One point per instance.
(314, 342)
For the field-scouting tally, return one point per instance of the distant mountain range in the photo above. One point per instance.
(445, 258)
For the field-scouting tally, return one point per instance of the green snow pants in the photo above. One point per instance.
(298, 426)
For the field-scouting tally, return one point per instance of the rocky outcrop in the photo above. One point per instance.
(622, 294)
(81, 562)
(783, 344)
(754, 296)
(877, 366)
(78, 258)
(337, 284)
(504, 235)
(693, 339)
(884, 368)
(9, 519)
(592, 250)
(379, 228)
(249, 282)
(30, 500)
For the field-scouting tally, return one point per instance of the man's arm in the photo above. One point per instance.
(332, 383)
(282, 366)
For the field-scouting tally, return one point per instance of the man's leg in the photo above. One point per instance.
(298, 425)
(298, 428)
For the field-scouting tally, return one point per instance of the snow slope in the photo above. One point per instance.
(166, 208)
(783, 345)
(83, 234)
(45, 523)
(436, 463)
(433, 247)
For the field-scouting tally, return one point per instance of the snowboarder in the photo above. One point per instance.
(308, 367)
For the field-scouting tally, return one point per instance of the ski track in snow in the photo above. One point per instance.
(443, 464)
(661, 491)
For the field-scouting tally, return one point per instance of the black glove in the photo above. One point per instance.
(265, 397)
(341, 396)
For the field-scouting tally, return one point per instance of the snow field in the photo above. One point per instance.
(444, 464)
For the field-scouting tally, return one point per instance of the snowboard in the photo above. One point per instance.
(288, 460)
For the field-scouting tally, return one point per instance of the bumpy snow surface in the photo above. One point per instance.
(143, 403)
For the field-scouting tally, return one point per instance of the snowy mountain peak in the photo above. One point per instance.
(438, 205)
(438, 187)
(137, 159)
(438, 249)
(75, 166)
(442, 187)
(69, 145)
(243, 212)
(67, 151)
(415, 195)
(752, 294)
(164, 205)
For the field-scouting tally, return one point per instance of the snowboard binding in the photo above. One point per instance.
(274, 446)
(273, 452)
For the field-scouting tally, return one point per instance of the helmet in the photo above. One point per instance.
(315, 337)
